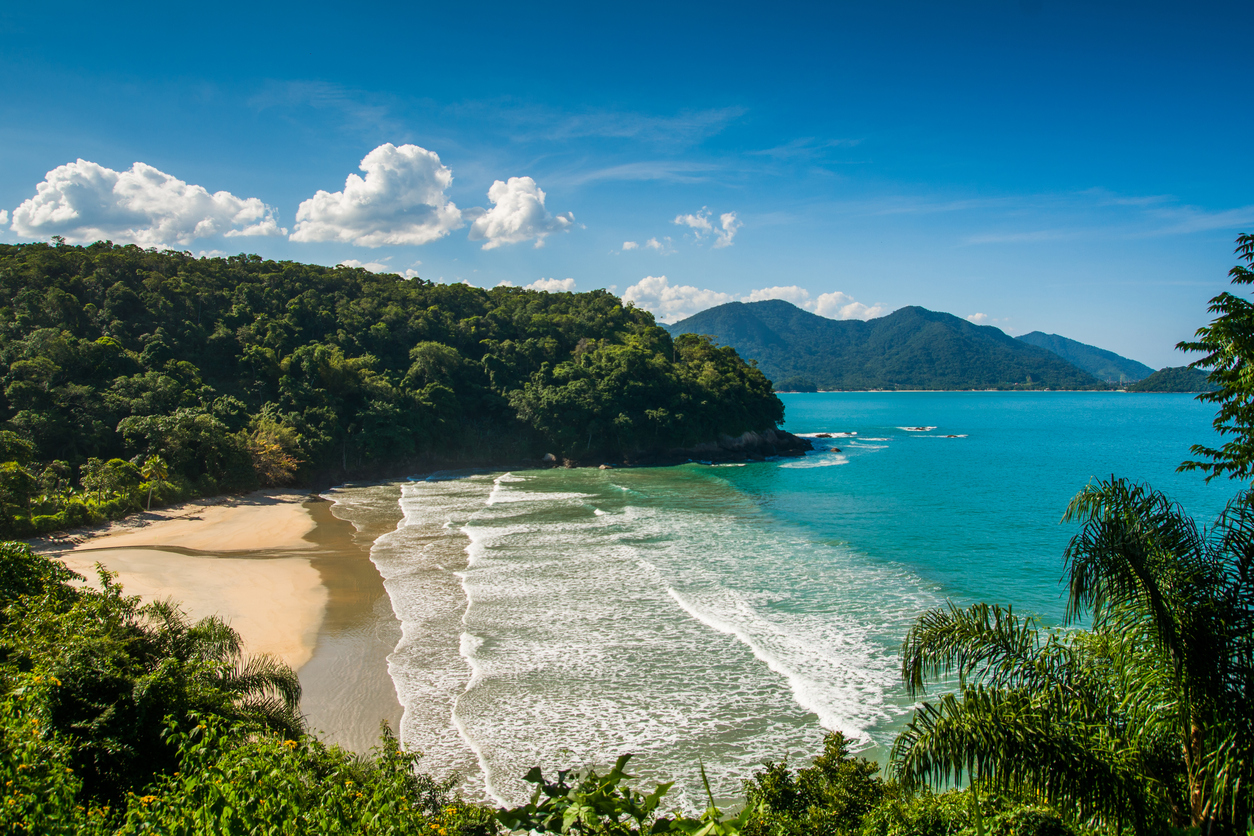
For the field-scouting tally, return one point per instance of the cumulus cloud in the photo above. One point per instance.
(552, 285)
(699, 222)
(372, 266)
(837, 305)
(84, 202)
(701, 226)
(670, 304)
(400, 201)
(380, 267)
(4, 217)
(799, 296)
(662, 246)
(978, 318)
(517, 215)
(627, 245)
(727, 231)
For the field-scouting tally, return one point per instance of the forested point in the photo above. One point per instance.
(134, 376)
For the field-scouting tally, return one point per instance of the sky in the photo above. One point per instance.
(1074, 168)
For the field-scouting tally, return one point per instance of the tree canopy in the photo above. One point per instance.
(237, 372)
(1228, 344)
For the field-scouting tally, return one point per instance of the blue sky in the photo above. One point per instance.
(1080, 169)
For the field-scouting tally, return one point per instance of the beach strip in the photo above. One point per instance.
(283, 571)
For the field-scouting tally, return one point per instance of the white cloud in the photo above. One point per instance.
(372, 266)
(699, 222)
(552, 285)
(729, 226)
(837, 305)
(400, 201)
(701, 226)
(670, 304)
(4, 217)
(978, 318)
(381, 267)
(834, 305)
(84, 202)
(627, 245)
(662, 246)
(799, 296)
(517, 214)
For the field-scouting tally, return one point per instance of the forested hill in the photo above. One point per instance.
(1102, 364)
(912, 348)
(129, 371)
(1175, 379)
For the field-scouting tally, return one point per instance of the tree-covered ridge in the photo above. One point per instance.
(911, 348)
(1102, 364)
(128, 372)
(1175, 379)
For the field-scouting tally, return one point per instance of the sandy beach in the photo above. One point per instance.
(293, 579)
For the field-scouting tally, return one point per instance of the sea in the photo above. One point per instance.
(719, 616)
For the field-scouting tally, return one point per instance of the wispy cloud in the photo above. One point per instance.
(804, 148)
(529, 122)
(672, 171)
(359, 109)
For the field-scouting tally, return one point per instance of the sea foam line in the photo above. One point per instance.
(800, 687)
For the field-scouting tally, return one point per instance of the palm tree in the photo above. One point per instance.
(155, 472)
(257, 687)
(1141, 719)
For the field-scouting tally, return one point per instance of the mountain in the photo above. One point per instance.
(1175, 379)
(1102, 364)
(912, 348)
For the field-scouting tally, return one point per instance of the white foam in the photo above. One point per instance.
(917, 429)
(656, 624)
(828, 460)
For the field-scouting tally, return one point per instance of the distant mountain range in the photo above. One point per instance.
(911, 348)
(1102, 364)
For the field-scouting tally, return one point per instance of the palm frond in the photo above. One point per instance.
(984, 643)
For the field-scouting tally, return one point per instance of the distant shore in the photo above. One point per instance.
(290, 577)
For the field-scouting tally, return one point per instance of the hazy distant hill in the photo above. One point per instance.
(1102, 364)
(912, 348)
(1175, 379)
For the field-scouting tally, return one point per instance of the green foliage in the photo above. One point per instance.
(592, 805)
(830, 797)
(961, 813)
(1102, 364)
(1227, 343)
(1180, 379)
(238, 372)
(1140, 722)
(103, 675)
(229, 783)
(911, 348)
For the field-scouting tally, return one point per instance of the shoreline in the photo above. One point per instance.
(292, 578)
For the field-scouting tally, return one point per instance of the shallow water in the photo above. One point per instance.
(731, 613)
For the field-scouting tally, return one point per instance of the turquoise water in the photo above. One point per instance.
(732, 613)
(979, 515)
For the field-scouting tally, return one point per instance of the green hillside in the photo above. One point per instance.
(129, 373)
(1102, 364)
(1175, 379)
(912, 348)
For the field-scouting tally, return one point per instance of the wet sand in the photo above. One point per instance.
(292, 578)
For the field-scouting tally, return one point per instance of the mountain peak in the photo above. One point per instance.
(910, 348)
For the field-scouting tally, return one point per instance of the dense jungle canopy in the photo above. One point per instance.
(131, 372)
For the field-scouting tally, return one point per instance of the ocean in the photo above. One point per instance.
(727, 615)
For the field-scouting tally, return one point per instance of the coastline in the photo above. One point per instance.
(292, 578)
